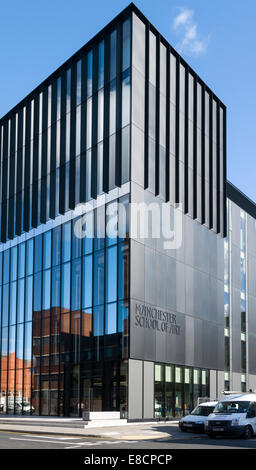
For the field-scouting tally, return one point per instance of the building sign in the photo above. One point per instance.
(156, 319)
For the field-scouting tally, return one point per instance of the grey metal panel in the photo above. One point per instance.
(236, 381)
(135, 384)
(137, 279)
(213, 384)
(235, 224)
(137, 161)
(148, 395)
(235, 262)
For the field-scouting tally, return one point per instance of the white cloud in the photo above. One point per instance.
(185, 26)
(183, 18)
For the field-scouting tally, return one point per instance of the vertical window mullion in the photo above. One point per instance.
(157, 172)
(118, 161)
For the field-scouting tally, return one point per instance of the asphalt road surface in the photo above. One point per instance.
(9, 440)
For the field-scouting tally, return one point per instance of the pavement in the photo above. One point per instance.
(177, 440)
(77, 427)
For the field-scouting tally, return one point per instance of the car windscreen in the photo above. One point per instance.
(202, 410)
(232, 407)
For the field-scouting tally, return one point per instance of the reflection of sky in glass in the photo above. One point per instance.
(110, 319)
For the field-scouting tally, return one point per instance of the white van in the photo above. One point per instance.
(234, 415)
(195, 421)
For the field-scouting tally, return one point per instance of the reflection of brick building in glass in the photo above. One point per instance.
(71, 377)
(16, 378)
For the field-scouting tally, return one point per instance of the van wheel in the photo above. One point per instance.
(248, 432)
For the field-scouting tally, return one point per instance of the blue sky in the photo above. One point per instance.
(216, 37)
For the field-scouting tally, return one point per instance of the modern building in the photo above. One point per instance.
(96, 314)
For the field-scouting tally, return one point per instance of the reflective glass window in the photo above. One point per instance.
(65, 288)
(29, 256)
(11, 352)
(76, 241)
(112, 55)
(87, 281)
(47, 249)
(37, 292)
(101, 65)
(125, 154)
(126, 98)
(123, 271)
(13, 301)
(89, 74)
(29, 298)
(110, 319)
(112, 107)
(98, 321)
(78, 82)
(126, 44)
(56, 245)
(46, 289)
(76, 285)
(5, 311)
(88, 228)
(21, 299)
(66, 241)
(28, 344)
(98, 295)
(6, 266)
(99, 228)
(20, 344)
(14, 252)
(111, 223)
(123, 314)
(111, 274)
(56, 286)
(38, 251)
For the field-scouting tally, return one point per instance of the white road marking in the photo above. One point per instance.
(35, 440)
(73, 447)
(49, 437)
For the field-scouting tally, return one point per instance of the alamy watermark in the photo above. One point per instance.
(135, 220)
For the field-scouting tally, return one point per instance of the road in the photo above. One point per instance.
(14, 440)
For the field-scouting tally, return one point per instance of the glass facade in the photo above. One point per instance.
(64, 320)
(177, 389)
(70, 141)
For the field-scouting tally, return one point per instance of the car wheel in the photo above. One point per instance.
(248, 432)
(211, 436)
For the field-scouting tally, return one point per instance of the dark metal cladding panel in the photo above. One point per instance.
(72, 168)
(157, 172)
(218, 167)
(203, 157)
(43, 193)
(94, 165)
(167, 133)
(12, 179)
(19, 173)
(195, 151)
(4, 183)
(83, 128)
(106, 115)
(186, 188)
(118, 163)
(27, 169)
(146, 122)
(35, 163)
(53, 151)
(224, 171)
(210, 162)
(63, 143)
(177, 132)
